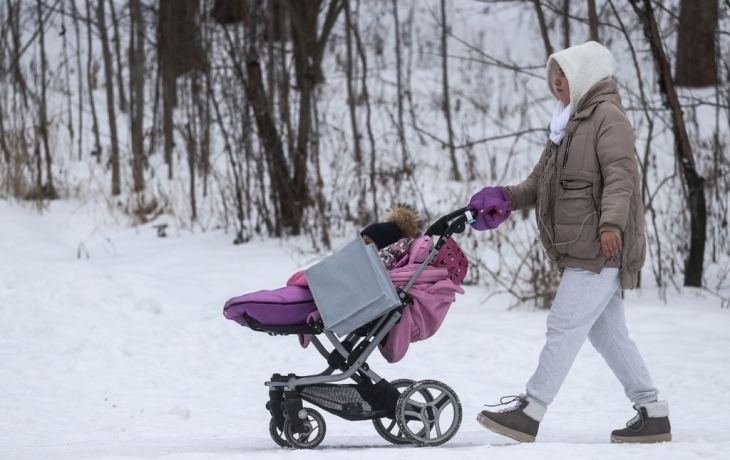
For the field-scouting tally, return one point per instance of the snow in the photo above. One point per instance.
(113, 346)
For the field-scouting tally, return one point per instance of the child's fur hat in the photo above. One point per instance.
(401, 221)
(406, 218)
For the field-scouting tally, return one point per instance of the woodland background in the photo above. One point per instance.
(307, 119)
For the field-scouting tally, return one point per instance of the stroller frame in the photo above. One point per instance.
(292, 425)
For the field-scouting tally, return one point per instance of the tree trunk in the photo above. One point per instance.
(695, 183)
(455, 174)
(696, 57)
(399, 91)
(543, 28)
(593, 20)
(368, 123)
(566, 24)
(91, 80)
(67, 77)
(351, 98)
(352, 103)
(118, 54)
(79, 72)
(48, 190)
(109, 85)
(137, 76)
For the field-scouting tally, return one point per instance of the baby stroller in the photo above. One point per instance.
(423, 413)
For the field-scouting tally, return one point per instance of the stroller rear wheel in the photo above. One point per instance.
(392, 432)
(316, 429)
(277, 435)
(428, 423)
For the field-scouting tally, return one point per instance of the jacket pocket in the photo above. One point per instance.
(577, 217)
(575, 184)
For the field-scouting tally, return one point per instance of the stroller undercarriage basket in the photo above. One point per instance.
(422, 413)
(352, 402)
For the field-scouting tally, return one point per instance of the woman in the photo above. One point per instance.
(591, 221)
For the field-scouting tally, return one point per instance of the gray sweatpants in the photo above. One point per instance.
(588, 304)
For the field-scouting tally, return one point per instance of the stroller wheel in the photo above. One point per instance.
(428, 423)
(277, 435)
(316, 429)
(388, 428)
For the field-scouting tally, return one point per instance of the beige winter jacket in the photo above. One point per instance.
(587, 185)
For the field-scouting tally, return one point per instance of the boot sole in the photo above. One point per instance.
(665, 437)
(503, 430)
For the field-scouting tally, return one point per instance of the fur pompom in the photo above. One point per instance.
(406, 218)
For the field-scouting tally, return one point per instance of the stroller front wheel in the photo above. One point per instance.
(277, 435)
(428, 423)
(315, 431)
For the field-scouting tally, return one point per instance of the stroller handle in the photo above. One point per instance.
(454, 222)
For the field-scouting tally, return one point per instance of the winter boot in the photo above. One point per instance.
(651, 424)
(520, 422)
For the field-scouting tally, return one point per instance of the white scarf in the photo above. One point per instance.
(559, 122)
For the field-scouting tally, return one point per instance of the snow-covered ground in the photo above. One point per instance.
(113, 345)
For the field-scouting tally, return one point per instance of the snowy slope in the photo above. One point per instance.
(125, 354)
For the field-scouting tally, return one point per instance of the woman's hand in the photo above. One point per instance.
(493, 205)
(611, 244)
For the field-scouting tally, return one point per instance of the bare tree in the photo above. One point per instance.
(118, 55)
(67, 76)
(47, 191)
(79, 72)
(543, 28)
(109, 85)
(695, 183)
(455, 173)
(136, 83)
(91, 78)
(399, 90)
(696, 57)
(292, 193)
(566, 23)
(593, 20)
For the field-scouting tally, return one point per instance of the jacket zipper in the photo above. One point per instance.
(567, 149)
(568, 184)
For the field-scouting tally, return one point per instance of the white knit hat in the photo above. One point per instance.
(583, 65)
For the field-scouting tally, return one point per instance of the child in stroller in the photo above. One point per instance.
(425, 413)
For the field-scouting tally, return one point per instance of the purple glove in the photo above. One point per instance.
(493, 205)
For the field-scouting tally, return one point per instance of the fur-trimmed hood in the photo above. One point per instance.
(584, 66)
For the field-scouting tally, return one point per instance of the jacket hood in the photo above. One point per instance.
(584, 66)
(603, 91)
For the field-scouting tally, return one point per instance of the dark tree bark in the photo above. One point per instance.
(593, 20)
(136, 93)
(566, 24)
(91, 83)
(400, 92)
(118, 55)
(48, 190)
(109, 85)
(696, 57)
(292, 194)
(695, 183)
(180, 51)
(368, 124)
(230, 11)
(351, 97)
(308, 54)
(67, 75)
(455, 173)
(543, 28)
(79, 72)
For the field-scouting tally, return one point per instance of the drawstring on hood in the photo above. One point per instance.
(584, 66)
